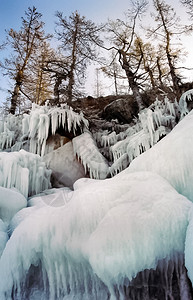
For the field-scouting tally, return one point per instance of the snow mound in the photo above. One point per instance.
(171, 158)
(20, 169)
(108, 232)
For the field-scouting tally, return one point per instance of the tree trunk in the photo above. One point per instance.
(14, 98)
(15, 95)
(131, 76)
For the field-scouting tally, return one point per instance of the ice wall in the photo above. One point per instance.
(93, 245)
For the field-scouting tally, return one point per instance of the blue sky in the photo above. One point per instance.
(98, 11)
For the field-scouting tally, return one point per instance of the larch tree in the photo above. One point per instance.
(24, 44)
(78, 38)
(122, 36)
(38, 84)
(166, 29)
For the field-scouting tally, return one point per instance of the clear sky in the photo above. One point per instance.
(98, 11)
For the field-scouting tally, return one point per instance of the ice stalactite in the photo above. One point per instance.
(43, 119)
(24, 171)
(93, 161)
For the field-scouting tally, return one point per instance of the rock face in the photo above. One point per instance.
(124, 110)
(55, 141)
(65, 167)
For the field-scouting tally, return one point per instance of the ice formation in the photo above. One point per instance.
(93, 161)
(98, 241)
(172, 158)
(24, 171)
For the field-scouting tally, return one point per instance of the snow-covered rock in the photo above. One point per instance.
(94, 245)
(172, 158)
(11, 201)
(65, 167)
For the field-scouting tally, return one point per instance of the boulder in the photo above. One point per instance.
(124, 110)
(65, 167)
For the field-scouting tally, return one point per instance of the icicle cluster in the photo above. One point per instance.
(92, 160)
(24, 171)
(42, 119)
(183, 103)
(10, 127)
(154, 123)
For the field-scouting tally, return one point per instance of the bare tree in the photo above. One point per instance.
(24, 44)
(78, 38)
(59, 68)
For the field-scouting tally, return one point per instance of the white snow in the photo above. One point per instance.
(108, 231)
